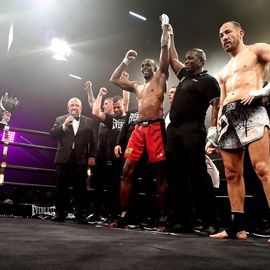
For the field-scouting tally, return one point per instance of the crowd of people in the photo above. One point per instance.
(173, 144)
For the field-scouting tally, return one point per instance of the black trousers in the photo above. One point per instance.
(73, 175)
(192, 190)
(107, 187)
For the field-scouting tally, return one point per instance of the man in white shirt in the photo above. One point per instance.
(76, 151)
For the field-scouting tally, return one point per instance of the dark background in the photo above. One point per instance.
(99, 33)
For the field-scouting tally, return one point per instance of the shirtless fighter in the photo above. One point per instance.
(243, 122)
(150, 130)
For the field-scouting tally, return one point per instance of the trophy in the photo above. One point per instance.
(7, 105)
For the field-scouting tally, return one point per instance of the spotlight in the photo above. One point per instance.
(60, 48)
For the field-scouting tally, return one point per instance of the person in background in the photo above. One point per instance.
(100, 172)
(110, 126)
(76, 151)
(171, 93)
(5, 117)
(107, 105)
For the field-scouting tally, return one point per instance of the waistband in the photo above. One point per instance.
(146, 123)
(237, 104)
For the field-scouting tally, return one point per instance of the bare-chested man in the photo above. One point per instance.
(243, 122)
(149, 132)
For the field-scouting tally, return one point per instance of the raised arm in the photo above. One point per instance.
(90, 96)
(174, 60)
(126, 98)
(117, 78)
(126, 94)
(164, 60)
(100, 115)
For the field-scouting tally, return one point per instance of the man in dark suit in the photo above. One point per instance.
(76, 151)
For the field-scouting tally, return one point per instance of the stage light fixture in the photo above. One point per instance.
(60, 48)
(10, 37)
(137, 15)
(74, 76)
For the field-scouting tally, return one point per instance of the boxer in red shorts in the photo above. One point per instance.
(150, 129)
(149, 134)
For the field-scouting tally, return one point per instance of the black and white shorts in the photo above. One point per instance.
(241, 124)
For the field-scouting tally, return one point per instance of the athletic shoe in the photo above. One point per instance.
(206, 230)
(95, 219)
(262, 231)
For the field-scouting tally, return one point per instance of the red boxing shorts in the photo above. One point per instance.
(149, 134)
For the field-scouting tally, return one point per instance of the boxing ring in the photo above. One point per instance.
(6, 143)
(15, 166)
(108, 248)
(28, 209)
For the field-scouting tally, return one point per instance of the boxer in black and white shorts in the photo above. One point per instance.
(241, 124)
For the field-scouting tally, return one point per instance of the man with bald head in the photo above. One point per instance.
(192, 187)
(76, 151)
(243, 123)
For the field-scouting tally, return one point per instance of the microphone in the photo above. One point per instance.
(74, 113)
(69, 120)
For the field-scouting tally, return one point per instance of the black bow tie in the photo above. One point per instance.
(77, 118)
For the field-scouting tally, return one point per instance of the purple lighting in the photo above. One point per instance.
(11, 136)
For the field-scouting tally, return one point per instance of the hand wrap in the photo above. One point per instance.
(164, 20)
(265, 91)
(212, 135)
(129, 57)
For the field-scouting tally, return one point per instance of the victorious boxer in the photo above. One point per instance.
(149, 132)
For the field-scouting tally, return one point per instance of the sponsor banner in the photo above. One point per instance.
(43, 211)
